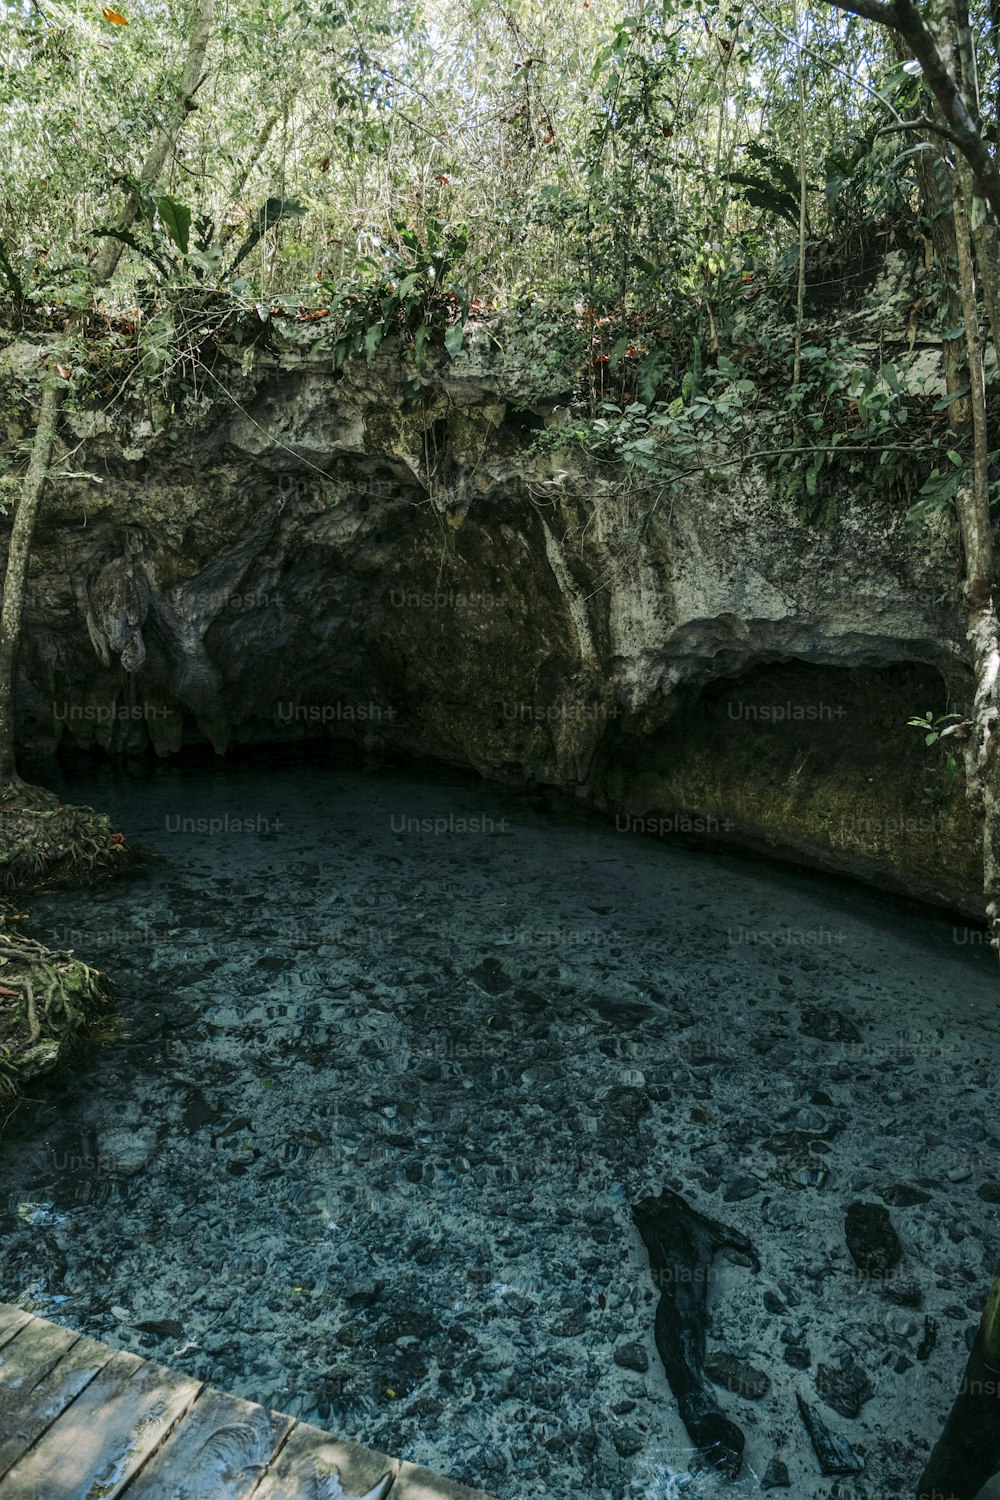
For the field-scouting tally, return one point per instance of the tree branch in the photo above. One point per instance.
(922, 124)
(902, 16)
(871, 10)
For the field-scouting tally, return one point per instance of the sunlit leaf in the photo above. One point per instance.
(176, 220)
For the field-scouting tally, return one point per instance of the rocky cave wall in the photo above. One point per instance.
(311, 553)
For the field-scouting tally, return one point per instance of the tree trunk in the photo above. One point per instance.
(800, 293)
(983, 226)
(937, 201)
(953, 240)
(903, 16)
(986, 239)
(968, 1452)
(972, 504)
(946, 207)
(15, 581)
(26, 513)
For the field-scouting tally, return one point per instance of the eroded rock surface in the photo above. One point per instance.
(309, 553)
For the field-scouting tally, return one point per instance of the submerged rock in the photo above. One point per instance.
(632, 1356)
(776, 1476)
(903, 1289)
(122, 1151)
(737, 1375)
(845, 1389)
(627, 1440)
(828, 1026)
(871, 1238)
(682, 1244)
(835, 1454)
(738, 1189)
(904, 1195)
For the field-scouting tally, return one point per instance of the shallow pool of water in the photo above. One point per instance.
(401, 1050)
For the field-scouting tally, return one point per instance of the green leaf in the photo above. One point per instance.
(372, 340)
(779, 169)
(453, 339)
(950, 400)
(176, 220)
(765, 195)
(272, 212)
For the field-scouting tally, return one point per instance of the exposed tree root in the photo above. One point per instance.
(50, 1003)
(47, 842)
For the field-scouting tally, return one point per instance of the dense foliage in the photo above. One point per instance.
(679, 195)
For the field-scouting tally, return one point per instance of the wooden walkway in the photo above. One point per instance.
(80, 1421)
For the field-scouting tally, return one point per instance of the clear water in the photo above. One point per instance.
(389, 1086)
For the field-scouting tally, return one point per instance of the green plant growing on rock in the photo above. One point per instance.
(943, 780)
(935, 727)
(412, 294)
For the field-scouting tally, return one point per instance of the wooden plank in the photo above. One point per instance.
(105, 1435)
(218, 1452)
(415, 1483)
(79, 1421)
(12, 1320)
(315, 1466)
(27, 1359)
(28, 1410)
